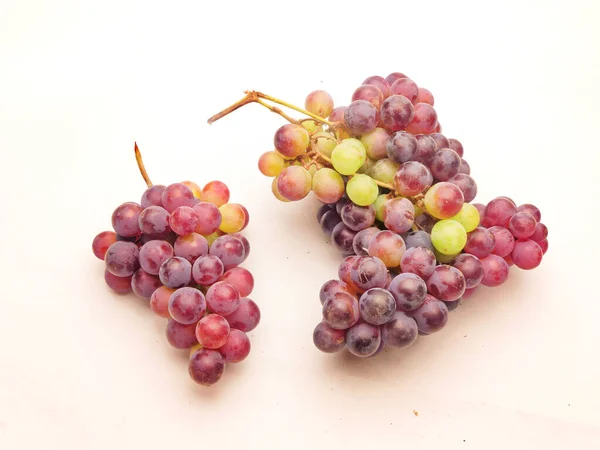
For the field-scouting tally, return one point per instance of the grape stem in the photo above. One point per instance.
(384, 185)
(276, 110)
(140, 163)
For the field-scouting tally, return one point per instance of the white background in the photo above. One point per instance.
(82, 368)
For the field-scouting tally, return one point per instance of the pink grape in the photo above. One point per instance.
(332, 287)
(527, 254)
(176, 195)
(408, 290)
(144, 284)
(125, 219)
(181, 336)
(294, 183)
(424, 120)
(540, 233)
(206, 366)
(191, 247)
(522, 225)
(244, 242)
(401, 147)
(154, 221)
(102, 242)
(446, 283)
(543, 245)
(377, 306)
(291, 140)
(361, 241)
(495, 270)
(361, 117)
(464, 167)
(396, 112)
(399, 215)
(228, 249)
(426, 148)
(443, 200)
(368, 272)
(455, 145)
(400, 332)
(406, 87)
(215, 192)
(327, 339)
(121, 285)
(319, 103)
(370, 93)
(363, 339)
(441, 141)
(418, 260)
(223, 298)
(380, 83)
(480, 242)
(425, 96)
(153, 254)
(187, 305)
(212, 331)
(342, 238)
(394, 76)
(466, 184)
(209, 218)
(412, 178)
(236, 348)
(122, 258)
(431, 316)
(499, 211)
(444, 164)
(480, 209)
(207, 270)
(159, 301)
(241, 278)
(152, 196)
(471, 267)
(337, 115)
(388, 246)
(504, 242)
(341, 311)
(183, 220)
(246, 317)
(175, 272)
(531, 209)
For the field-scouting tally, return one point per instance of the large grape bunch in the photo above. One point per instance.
(396, 199)
(180, 248)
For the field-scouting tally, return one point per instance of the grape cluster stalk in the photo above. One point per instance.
(180, 249)
(397, 202)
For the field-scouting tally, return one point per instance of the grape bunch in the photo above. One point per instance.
(396, 199)
(180, 248)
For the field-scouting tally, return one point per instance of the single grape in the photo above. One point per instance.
(408, 290)
(363, 339)
(241, 278)
(152, 196)
(327, 339)
(206, 366)
(324, 142)
(291, 140)
(222, 298)
(527, 254)
(176, 195)
(495, 270)
(181, 336)
(543, 245)
(499, 211)
(322, 210)
(329, 221)
(102, 242)
(444, 164)
(431, 316)
(153, 254)
(448, 237)
(455, 145)
(443, 200)
(122, 259)
(418, 238)
(369, 272)
(340, 204)
(319, 103)
(362, 190)
(337, 115)
(347, 157)
(401, 147)
(229, 249)
(540, 233)
(121, 285)
(424, 119)
(328, 185)
(406, 87)
(212, 331)
(144, 284)
(377, 306)
(522, 225)
(388, 247)
(380, 83)
(125, 219)
(418, 260)
(154, 221)
(183, 220)
(361, 241)
(464, 167)
(384, 170)
(396, 112)
(191, 247)
(504, 241)
(175, 272)
(294, 183)
(468, 217)
(394, 76)
(187, 305)
(271, 163)
(237, 347)
(446, 283)
(466, 184)
(342, 238)
(332, 287)
(424, 96)
(426, 148)
(400, 332)
(159, 301)
(412, 179)
(441, 141)
(375, 143)
(399, 215)
(480, 242)
(357, 217)
(207, 270)
(246, 317)
(531, 209)
(471, 267)
(361, 117)
(370, 93)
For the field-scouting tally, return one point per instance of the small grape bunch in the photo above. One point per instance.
(396, 200)
(180, 248)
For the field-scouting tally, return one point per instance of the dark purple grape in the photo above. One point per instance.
(446, 283)
(363, 339)
(206, 366)
(122, 258)
(360, 244)
(431, 316)
(399, 215)
(329, 221)
(340, 311)
(369, 272)
(377, 306)
(396, 112)
(327, 339)
(418, 238)
(426, 148)
(357, 217)
(342, 238)
(144, 284)
(401, 147)
(471, 268)
(408, 290)
(175, 272)
(444, 164)
(361, 117)
(322, 210)
(400, 332)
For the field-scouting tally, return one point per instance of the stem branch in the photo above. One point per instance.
(140, 163)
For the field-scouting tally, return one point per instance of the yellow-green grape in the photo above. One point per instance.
(375, 143)
(311, 126)
(232, 218)
(448, 237)
(328, 185)
(468, 217)
(347, 158)
(324, 142)
(294, 183)
(271, 164)
(291, 140)
(366, 167)
(359, 145)
(384, 170)
(362, 190)
(276, 193)
(210, 238)
(379, 206)
(444, 259)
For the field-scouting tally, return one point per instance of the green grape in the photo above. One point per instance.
(448, 237)
(311, 126)
(347, 158)
(384, 170)
(358, 144)
(379, 206)
(362, 190)
(367, 166)
(324, 142)
(312, 169)
(468, 217)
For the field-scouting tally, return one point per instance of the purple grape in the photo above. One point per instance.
(396, 112)
(369, 272)
(229, 249)
(122, 258)
(499, 211)
(446, 283)
(480, 242)
(187, 305)
(431, 316)
(327, 339)
(471, 267)
(495, 270)
(425, 222)
(206, 366)
(340, 311)
(191, 247)
(444, 164)
(346, 266)
(408, 290)
(183, 220)
(363, 339)
(455, 145)
(181, 336)
(377, 306)
(360, 244)
(153, 254)
(466, 184)
(329, 221)
(125, 219)
(453, 304)
(357, 217)
(322, 210)
(342, 238)
(400, 332)
(176, 195)
(412, 178)
(144, 284)
(464, 167)
(401, 147)
(418, 260)
(223, 298)
(175, 272)
(418, 238)
(244, 242)
(332, 287)
(522, 225)
(361, 117)
(207, 270)
(426, 148)
(246, 317)
(399, 215)
(121, 285)
(152, 196)
(340, 204)
(504, 241)
(441, 141)
(154, 221)
(531, 209)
